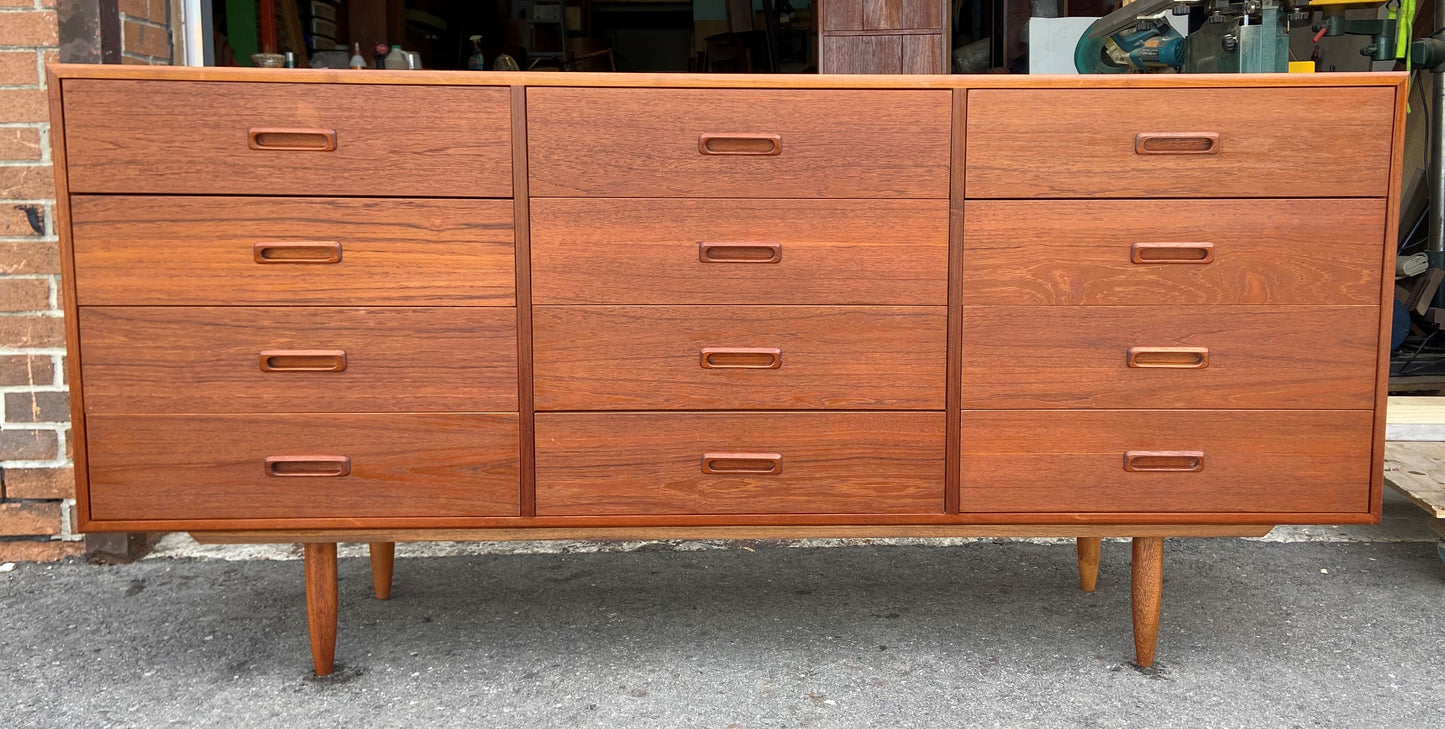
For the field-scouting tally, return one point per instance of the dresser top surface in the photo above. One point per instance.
(695, 80)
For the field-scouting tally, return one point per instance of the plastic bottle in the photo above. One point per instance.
(397, 60)
(357, 61)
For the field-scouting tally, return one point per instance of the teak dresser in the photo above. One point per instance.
(320, 306)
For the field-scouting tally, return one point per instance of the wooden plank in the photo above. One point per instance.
(1417, 471)
(522, 223)
(749, 81)
(1416, 411)
(1387, 300)
(685, 533)
(68, 300)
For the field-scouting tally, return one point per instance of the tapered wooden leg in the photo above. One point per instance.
(383, 559)
(321, 604)
(1148, 578)
(1088, 562)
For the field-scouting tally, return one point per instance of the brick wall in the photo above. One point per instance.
(36, 480)
(145, 32)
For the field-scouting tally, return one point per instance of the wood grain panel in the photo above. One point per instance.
(923, 14)
(925, 54)
(649, 358)
(829, 252)
(200, 251)
(1029, 252)
(633, 143)
(861, 54)
(841, 14)
(188, 137)
(211, 466)
(1390, 79)
(1258, 357)
(1085, 145)
(883, 14)
(651, 463)
(207, 359)
(1072, 461)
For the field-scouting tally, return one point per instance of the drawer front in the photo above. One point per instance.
(739, 463)
(1166, 461)
(1306, 357)
(1089, 143)
(242, 359)
(1149, 252)
(257, 251)
(747, 143)
(194, 137)
(725, 358)
(739, 251)
(289, 466)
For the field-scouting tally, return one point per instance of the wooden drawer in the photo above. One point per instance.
(1307, 357)
(298, 251)
(1201, 142)
(287, 139)
(1148, 252)
(320, 466)
(215, 359)
(739, 463)
(739, 251)
(687, 358)
(748, 143)
(1166, 461)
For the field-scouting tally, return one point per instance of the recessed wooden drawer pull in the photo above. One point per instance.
(1186, 358)
(758, 145)
(1166, 461)
(741, 358)
(740, 252)
(305, 252)
(1172, 253)
(284, 139)
(755, 463)
(303, 360)
(1177, 143)
(308, 466)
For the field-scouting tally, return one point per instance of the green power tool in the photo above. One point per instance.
(1236, 36)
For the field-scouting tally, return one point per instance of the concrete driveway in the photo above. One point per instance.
(1255, 634)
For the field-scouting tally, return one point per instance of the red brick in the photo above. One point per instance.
(30, 518)
(19, 144)
(24, 105)
(37, 407)
(21, 369)
(32, 331)
(27, 257)
(34, 28)
(20, 3)
(20, 220)
(27, 445)
(48, 551)
(17, 68)
(40, 483)
(24, 294)
(135, 8)
(145, 40)
(161, 12)
(26, 182)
